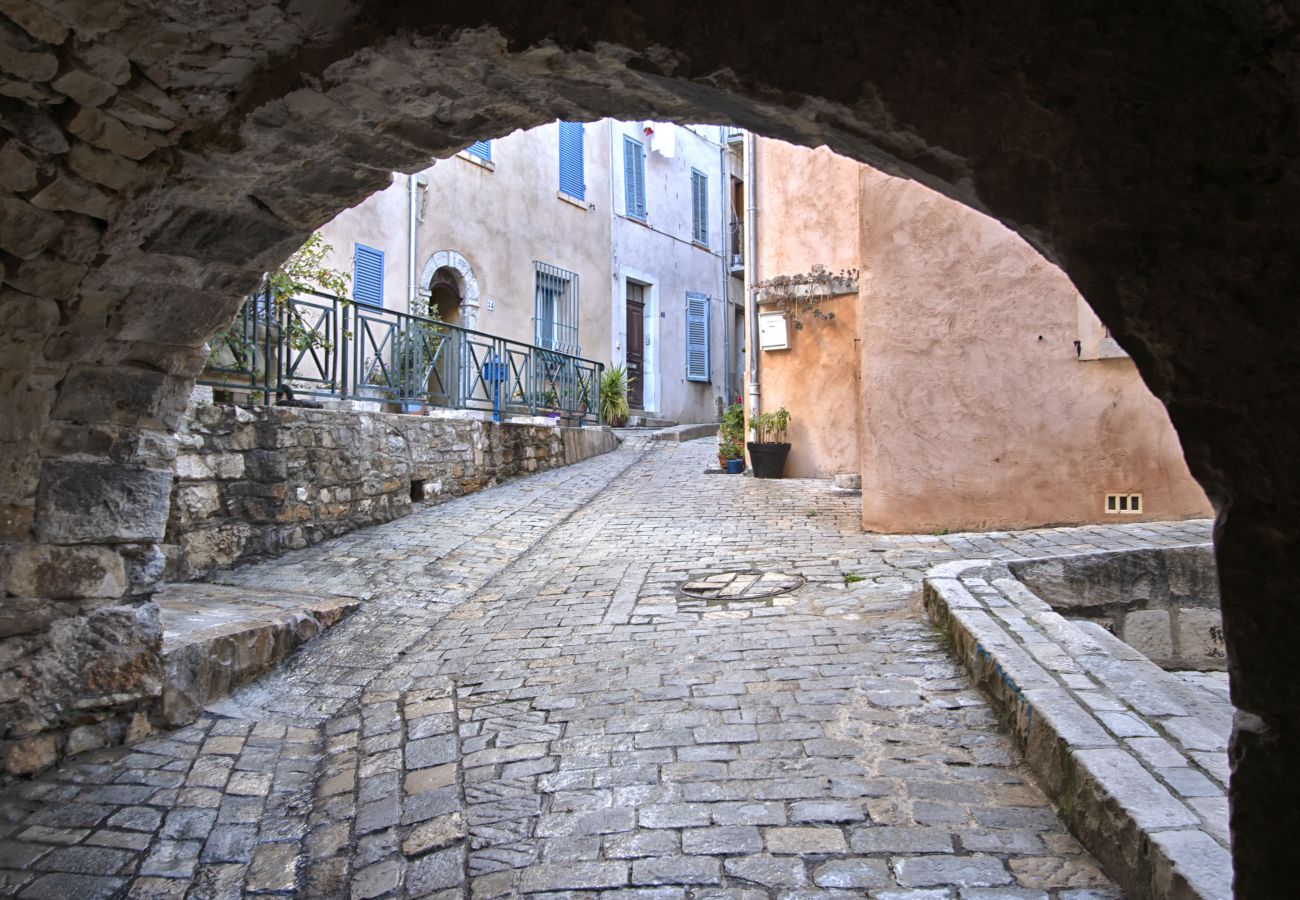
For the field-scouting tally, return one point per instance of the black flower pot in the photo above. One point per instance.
(768, 459)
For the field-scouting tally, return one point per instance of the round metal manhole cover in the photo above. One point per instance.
(739, 587)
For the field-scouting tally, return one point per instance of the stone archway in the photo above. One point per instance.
(158, 162)
(462, 275)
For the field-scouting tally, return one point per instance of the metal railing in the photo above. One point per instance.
(319, 346)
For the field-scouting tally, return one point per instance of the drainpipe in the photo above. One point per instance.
(410, 243)
(723, 183)
(751, 273)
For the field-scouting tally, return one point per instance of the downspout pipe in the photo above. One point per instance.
(751, 274)
(410, 243)
(723, 226)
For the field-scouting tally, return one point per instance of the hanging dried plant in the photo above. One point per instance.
(801, 295)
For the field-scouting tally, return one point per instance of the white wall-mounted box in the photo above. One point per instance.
(773, 332)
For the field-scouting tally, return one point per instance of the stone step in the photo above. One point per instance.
(217, 638)
(681, 433)
(640, 419)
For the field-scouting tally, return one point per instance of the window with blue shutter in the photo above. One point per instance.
(634, 178)
(368, 275)
(481, 149)
(697, 337)
(699, 207)
(572, 180)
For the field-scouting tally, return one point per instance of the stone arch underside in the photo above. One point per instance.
(466, 281)
(157, 162)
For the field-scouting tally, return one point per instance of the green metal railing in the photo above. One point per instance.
(320, 346)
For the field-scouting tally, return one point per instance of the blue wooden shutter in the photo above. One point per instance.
(481, 149)
(634, 177)
(368, 275)
(699, 207)
(572, 181)
(697, 337)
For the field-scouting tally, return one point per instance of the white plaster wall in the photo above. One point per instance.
(500, 218)
(504, 217)
(379, 222)
(661, 252)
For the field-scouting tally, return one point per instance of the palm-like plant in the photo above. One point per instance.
(613, 396)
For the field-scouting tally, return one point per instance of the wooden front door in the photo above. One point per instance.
(635, 346)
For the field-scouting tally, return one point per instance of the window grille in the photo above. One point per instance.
(555, 322)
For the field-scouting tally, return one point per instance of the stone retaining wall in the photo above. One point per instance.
(256, 483)
(1134, 757)
(1162, 602)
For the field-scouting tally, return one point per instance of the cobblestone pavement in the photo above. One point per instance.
(525, 705)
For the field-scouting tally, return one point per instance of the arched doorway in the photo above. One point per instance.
(451, 288)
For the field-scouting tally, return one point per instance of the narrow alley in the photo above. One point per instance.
(526, 704)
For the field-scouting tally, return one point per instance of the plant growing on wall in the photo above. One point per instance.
(797, 296)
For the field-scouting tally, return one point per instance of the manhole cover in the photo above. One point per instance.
(739, 587)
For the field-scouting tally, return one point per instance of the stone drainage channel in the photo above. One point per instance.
(526, 703)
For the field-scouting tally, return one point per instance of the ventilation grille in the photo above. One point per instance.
(1124, 504)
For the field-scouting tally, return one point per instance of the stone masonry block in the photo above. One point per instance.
(39, 570)
(120, 395)
(1149, 632)
(1200, 638)
(87, 502)
(26, 230)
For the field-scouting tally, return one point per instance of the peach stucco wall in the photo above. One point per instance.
(971, 409)
(808, 215)
(976, 411)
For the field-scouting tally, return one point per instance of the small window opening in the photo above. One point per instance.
(417, 490)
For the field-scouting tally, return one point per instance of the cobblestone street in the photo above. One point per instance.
(526, 705)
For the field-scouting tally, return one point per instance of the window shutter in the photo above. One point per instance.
(572, 180)
(699, 207)
(481, 149)
(634, 177)
(368, 275)
(697, 337)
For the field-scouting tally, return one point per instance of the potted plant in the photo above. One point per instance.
(731, 453)
(613, 396)
(731, 435)
(769, 449)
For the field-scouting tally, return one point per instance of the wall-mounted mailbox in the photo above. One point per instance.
(772, 332)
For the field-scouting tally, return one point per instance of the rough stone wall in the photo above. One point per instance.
(1163, 603)
(255, 483)
(158, 157)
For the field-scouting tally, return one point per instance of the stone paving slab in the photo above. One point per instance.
(521, 707)
(1135, 756)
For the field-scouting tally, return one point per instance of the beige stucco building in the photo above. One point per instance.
(963, 377)
(573, 236)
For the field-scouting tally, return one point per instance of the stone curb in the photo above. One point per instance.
(1152, 839)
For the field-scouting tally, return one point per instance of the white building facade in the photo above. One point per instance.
(607, 240)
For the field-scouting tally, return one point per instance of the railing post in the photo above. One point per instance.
(344, 340)
(268, 358)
